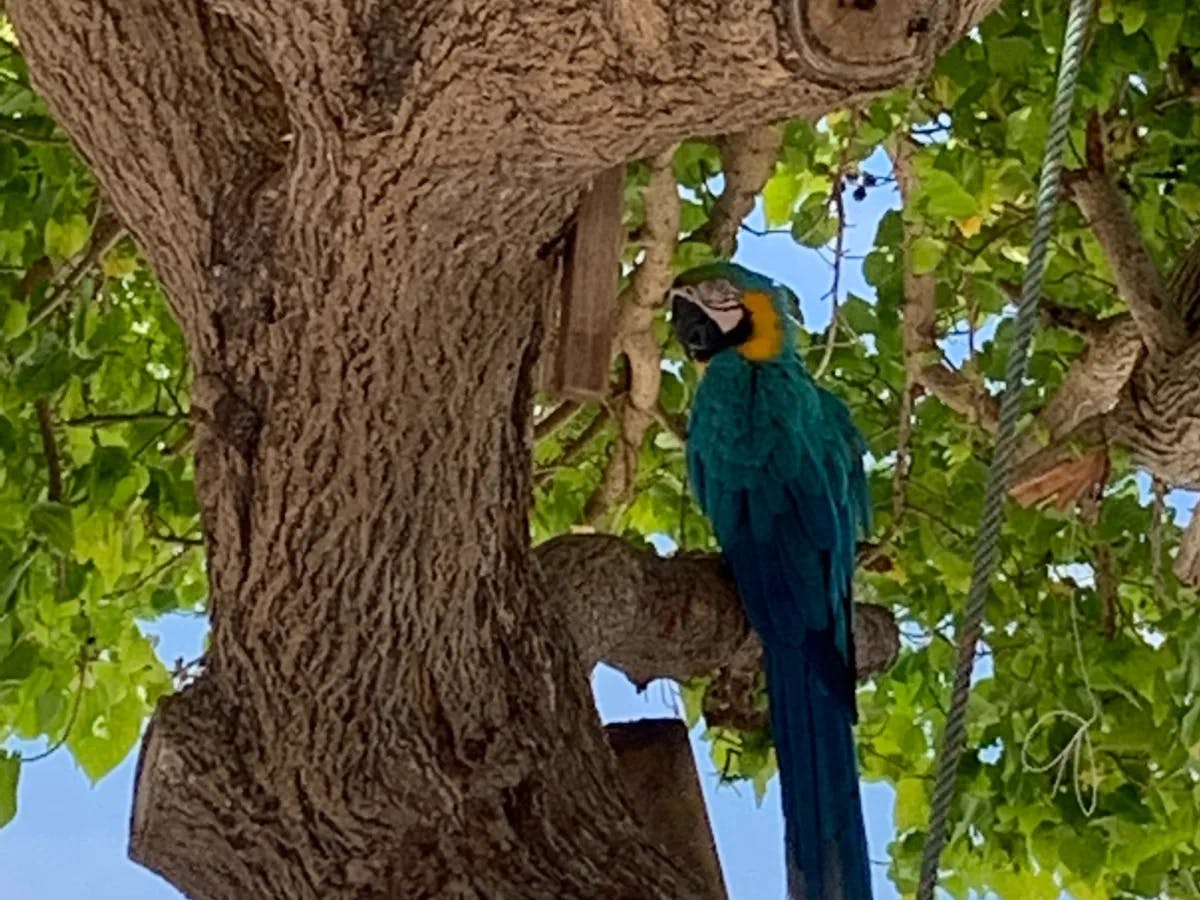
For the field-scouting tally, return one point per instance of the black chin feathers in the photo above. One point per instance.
(701, 337)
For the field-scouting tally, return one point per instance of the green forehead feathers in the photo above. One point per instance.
(744, 280)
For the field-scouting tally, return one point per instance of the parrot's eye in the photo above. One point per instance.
(683, 292)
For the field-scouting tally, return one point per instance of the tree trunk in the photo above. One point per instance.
(1158, 419)
(348, 204)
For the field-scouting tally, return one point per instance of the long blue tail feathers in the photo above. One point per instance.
(818, 771)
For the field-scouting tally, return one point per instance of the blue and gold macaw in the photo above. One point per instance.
(777, 465)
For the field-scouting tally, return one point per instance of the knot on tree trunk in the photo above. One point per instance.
(863, 42)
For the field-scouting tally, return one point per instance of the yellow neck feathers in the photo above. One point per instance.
(766, 339)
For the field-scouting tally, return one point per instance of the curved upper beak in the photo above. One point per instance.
(700, 335)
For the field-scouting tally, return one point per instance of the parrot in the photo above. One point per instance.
(776, 464)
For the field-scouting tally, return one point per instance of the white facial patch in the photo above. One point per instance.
(719, 299)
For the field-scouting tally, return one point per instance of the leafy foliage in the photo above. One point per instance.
(97, 515)
(99, 526)
(1113, 712)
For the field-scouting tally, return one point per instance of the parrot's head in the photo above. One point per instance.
(724, 306)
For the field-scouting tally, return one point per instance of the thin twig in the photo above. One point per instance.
(105, 235)
(839, 249)
(71, 719)
(17, 134)
(179, 539)
(50, 450)
(1157, 523)
(123, 418)
(1107, 586)
(154, 573)
(555, 419)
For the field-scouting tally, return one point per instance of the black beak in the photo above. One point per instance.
(699, 334)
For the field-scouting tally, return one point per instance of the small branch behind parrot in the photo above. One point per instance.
(638, 306)
(748, 160)
(839, 254)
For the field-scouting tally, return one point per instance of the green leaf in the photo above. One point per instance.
(16, 315)
(164, 599)
(10, 774)
(1084, 856)
(52, 523)
(45, 369)
(66, 238)
(1187, 197)
(8, 436)
(779, 198)
(1133, 17)
(107, 467)
(689, 254)
(1009, 56)
(912, 804)
(20, 662)
(859, 315)
(105, 733)
(119, 262)
(110, 327)
(946, 199)
(925, 254)
(1163, 28)
(8, 587)
(692, 693)
(672, 394)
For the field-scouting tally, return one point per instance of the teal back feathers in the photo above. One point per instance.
(777, 465)
(771, 453)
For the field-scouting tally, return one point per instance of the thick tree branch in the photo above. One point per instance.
(599, 83)
(1184, 286)
(1116, 391)
(1138, 280)
(212, 125)
(1092, 386)
(679, 617)
(748, 159)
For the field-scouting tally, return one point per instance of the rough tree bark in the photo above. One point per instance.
(345, 202)
(1135, 385)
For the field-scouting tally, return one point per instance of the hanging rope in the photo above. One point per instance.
(987, 550)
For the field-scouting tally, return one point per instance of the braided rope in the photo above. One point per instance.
(987, 551)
